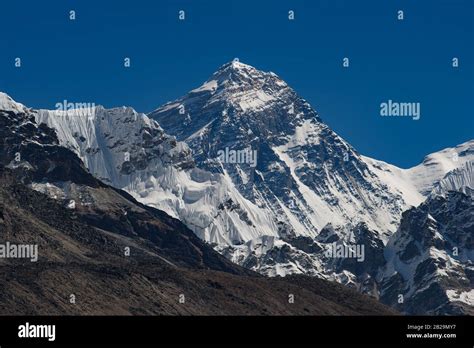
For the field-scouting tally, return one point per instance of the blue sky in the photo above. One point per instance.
(406, 61)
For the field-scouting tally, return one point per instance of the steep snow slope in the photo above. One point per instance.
(8, 104)
(398, 180)
(436, 165)
(459, 179)
(131, 152)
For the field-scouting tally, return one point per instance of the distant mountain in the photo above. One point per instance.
(251, 168)
(102, 252)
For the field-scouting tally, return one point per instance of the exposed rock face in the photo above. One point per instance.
(430, 257)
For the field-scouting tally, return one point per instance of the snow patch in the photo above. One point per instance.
(466, 297)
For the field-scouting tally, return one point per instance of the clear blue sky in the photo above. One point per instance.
(409, 61)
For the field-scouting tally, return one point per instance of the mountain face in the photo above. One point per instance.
(30, 153)
(113, 255)
(250, 167)
(316, 187)
(430, 257)
(430, 266)
(304, 177)
(131, 152)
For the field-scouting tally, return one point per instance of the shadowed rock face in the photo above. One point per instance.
(430, 260)
(82, 249)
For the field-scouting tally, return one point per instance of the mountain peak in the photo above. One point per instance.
(236, 65)
(8, 104)
(238, 73)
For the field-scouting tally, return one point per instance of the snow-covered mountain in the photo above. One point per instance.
(250, 167)
(81, 246)
(305, 175)
(307, 178)
(8, 104)
(417, 182)
(131, 152)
